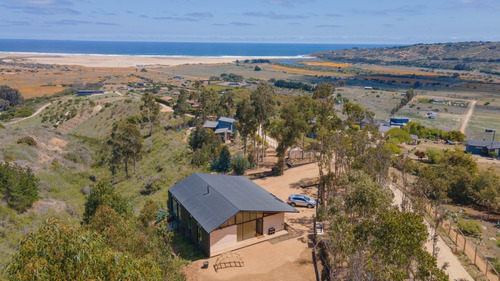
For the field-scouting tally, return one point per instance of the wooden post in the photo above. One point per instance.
(487, 263)
(449, 229)
(465, 243)
(456, 239)
(475, 255)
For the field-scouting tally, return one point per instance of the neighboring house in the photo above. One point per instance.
(398, 122)
(431, 115)
(223, 127)
(436, 101)
(484, 148)
(88, 92)
(219, 211)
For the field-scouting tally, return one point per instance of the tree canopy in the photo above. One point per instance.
(18, 186)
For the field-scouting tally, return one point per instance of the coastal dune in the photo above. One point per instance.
(114, 60)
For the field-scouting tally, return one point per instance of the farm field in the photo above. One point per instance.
(379, 101)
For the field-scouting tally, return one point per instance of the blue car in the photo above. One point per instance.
(301, 200)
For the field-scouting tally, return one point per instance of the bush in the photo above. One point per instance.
(58, 251)
(27, 140)
(134, 119)
(152, 185)
(400, 135)
(468, 227)
(223, 163)
(148, 213)
(2, 126)
(103, 194)
(18, 186)
(240, 165)
(434, 154)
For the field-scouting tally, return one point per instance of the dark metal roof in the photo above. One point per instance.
(221, 130)
(213, 199)
(210, 124)
(488, 144)
(227, 119)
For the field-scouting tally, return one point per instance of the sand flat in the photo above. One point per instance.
(116, 60)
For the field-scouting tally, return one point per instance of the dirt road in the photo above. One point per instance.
(32, 115)
(467, 116)
(455, 269)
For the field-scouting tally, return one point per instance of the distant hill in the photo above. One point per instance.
(483, 56)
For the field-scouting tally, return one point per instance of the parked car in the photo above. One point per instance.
(301, 200)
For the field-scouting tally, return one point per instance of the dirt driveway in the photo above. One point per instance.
(286, 260)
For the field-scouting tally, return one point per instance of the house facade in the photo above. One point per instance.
(484, 148)
(223, 128)
(218, 211)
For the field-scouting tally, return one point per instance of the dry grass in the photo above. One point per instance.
(39, 81)
(300, 71)
(331, 64)
(402, 72)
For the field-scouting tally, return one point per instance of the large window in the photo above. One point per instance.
(242, 217)
(246, 224)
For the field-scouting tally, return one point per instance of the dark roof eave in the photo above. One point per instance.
(272, 211)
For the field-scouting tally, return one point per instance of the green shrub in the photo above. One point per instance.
(223, 163)
(2, 126)
(103, 194)
(469, 227)
(18, 186)
(434, 154)
(240, 165)
(58, 251)
(400, 135)
(27, 140)
(496, 264)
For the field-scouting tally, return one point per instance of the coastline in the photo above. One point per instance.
(100, 60)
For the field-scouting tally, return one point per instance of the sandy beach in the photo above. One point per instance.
(115, 61)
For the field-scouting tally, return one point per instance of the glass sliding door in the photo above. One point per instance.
(246, 230)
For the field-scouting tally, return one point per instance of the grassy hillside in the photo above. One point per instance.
(484, 56)
(67, 162)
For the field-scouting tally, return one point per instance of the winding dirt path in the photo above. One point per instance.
(38, 111)
(467, 116)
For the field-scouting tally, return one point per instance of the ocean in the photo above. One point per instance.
(169, 48)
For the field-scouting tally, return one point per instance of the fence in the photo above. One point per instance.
(469, 249)
(314, 254)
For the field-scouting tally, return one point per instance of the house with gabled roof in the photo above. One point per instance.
(483, 147)
(223, 127)
(219, 211)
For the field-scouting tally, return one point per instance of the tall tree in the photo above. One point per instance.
(247, 123)
(150, 111)
(227, 103)
(210, 103)
(307, 108)
(9, 97)
(125, 143)
(264, 102)
(18, 186)
(286, 131)
(181, 107)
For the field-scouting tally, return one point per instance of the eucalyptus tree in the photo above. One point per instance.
(263, 100)
(150, 111)
(247, 123)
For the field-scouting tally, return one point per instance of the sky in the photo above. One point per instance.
(270, 21)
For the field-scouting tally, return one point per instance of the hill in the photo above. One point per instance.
(483, 56)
